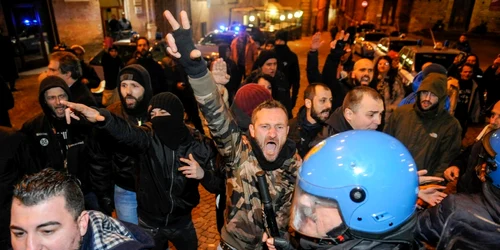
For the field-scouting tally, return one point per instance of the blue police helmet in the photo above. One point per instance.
(491, 143)
(371, 175)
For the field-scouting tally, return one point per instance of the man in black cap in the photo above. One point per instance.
(174, 160)
(56, 144)
(288, 63)
(267, 63)
(110, 161)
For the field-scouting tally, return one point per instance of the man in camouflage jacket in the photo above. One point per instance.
(266, 148)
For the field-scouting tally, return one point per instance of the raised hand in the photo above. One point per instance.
(76, 110)
(340, 41)
(219, 72)
(316, 41)
(181, 46)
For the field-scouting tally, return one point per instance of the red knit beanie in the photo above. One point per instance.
(250, 96)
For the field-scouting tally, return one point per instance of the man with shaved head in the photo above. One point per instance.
(361, 74)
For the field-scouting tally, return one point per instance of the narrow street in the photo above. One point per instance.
(27, 105)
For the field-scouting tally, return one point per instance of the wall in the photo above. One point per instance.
(425, 13)
(78, 22)
(481, 12)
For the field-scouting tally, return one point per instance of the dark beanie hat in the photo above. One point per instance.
(131, 73)
(282, 35)
(250, 96)
(434, 68)
(264, 56)
(170, 103)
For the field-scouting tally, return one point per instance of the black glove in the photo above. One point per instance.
(195, 68)
(107, 205)
(282, 244)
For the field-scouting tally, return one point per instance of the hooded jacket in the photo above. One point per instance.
(46, 134)
(113, 163)
(432, 136)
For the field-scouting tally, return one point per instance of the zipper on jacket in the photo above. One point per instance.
(171, 186)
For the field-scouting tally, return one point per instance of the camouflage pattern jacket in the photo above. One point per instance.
(244, 219)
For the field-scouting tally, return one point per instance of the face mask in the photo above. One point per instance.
(171, 132)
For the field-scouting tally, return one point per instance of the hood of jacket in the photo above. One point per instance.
(46, 84)
(142, 107)
(437, 84)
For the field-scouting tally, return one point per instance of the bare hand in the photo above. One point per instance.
(422, 179)
(451, 173)
(269, 241)
(193, 170)
(316, 41)
(172, 47)
(75, 110)
(219, 72)
(341, 36)
(432, 195)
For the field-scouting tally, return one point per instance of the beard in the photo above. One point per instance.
(131, 102)
(364, 78)
(316, 115)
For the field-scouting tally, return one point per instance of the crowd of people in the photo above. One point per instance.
(354, 169)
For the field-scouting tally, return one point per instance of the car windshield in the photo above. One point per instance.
(217, 39)
(444, 59)
(375, 37)
(398, 44)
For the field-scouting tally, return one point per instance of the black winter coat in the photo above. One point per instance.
(81, 94)
(302, 132)
(156, 72)
(288, 63)
(459, 210)
(163, 193)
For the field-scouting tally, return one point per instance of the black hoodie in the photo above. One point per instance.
(56, 144)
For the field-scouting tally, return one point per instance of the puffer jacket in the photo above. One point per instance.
(163, 192)
(244, 224)
(433, 137)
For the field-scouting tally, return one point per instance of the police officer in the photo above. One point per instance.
(354, 211)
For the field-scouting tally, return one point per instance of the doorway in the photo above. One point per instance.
(461, 14)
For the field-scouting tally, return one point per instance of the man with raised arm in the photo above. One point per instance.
(266, 147)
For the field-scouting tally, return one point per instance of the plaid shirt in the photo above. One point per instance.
(107, 232)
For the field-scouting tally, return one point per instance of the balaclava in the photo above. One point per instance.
(171, 128)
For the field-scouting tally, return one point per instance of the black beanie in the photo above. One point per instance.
(281, 35)
(170, 103)
(264, 56)
(131, 74)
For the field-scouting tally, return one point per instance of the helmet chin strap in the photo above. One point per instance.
(339, 234)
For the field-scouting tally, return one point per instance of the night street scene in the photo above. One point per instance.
(249, 124)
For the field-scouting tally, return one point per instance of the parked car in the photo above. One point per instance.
(387, 44)
(366, 42)
(209, 45)
(411, 59)
(366, 27)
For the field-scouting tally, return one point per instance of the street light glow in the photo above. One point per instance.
(290, 15)
(282, 17)
(251, 18)
(297, 14)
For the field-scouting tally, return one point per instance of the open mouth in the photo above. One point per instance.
(270, 147)
(365, 79)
